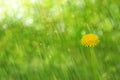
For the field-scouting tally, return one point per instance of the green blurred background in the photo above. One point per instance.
(40, 39)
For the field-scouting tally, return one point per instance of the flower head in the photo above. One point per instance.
(90, 40)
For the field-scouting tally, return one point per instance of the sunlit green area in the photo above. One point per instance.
(41, 39)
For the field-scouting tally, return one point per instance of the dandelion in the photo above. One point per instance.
(90, 40)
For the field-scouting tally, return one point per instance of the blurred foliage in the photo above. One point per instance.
(40, 39)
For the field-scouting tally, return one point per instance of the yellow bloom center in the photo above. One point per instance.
(90, 40)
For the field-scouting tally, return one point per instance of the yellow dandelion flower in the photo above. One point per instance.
(90, 40)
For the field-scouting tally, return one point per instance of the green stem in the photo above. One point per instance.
(94, 64)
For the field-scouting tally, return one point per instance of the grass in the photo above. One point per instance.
(44, 43)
